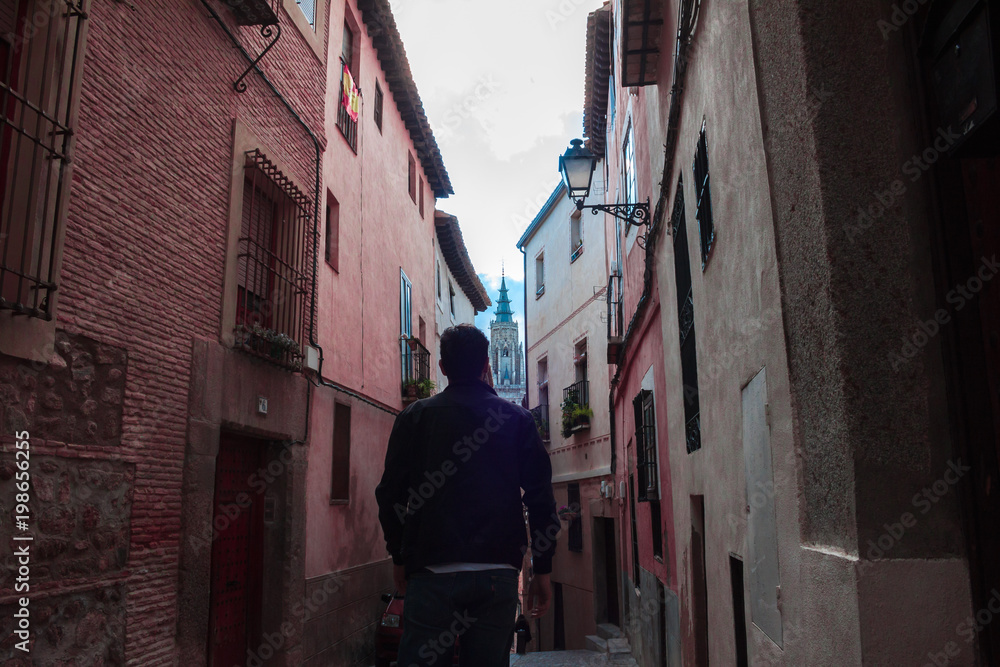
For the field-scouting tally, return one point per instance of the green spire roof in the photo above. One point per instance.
(503, 312)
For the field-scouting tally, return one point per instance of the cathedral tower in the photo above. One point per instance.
(506, 350)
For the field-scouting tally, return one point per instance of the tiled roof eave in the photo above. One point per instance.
(381, 25)
(456, 256)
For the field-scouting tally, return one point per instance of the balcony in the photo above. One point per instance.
(616, 317)
(255, 12)
(416, 365)
(541, 415)
(348, 126)
(576, 412)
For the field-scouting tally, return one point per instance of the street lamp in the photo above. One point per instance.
(577, 167)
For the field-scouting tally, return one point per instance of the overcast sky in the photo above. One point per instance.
(502, 85)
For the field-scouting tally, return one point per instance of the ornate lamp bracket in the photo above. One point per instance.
(266, 31)
(633, 214)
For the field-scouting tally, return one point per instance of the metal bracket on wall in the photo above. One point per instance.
(265, 31)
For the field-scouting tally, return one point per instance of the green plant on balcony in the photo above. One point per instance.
(418, 388)
(574, 415)
(269, 343)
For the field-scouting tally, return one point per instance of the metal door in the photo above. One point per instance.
(237, 572)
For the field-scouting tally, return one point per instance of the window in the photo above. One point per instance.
(451, 296)
(685, 323)
(308, 8)
(656, 524)
(580, 360)
(332, 232)
(575, 538)
(378, 107)
(541, 412)
(347, 48)
(645, 445)
(420, 190)
(340, 476)
(439, 279)
(411, 176)
(539, 275)
(575, 236)
(271, 304)
(347, 124)
(703, 196)
(38, 81)
(628, 167)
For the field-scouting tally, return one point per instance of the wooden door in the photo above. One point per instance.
(237, 572)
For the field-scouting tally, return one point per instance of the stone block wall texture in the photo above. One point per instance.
(79, 628)
(81, 511)
(142, 275)
(76, 398)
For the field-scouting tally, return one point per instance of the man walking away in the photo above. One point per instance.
(450, 505)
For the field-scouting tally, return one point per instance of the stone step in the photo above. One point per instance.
(608, 630)
(618, 646)
(595, 643)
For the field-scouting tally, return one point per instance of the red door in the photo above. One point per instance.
(237, 571)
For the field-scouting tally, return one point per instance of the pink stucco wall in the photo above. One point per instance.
(358, 314)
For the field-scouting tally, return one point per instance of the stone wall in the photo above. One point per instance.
(79, 628)
(76, 397)
(80, 518)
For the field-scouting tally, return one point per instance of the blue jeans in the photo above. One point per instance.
(479, 608)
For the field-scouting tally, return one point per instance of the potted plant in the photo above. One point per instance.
(425, 388)
(575, 417)
(414, 389)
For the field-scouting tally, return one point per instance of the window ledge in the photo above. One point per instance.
(576, 254)
(340, 502)
(309, 33)
(539, 292)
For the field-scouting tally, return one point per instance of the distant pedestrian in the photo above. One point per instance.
(451, 508)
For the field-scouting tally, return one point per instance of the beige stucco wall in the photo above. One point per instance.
(464, 313)
(571, 309)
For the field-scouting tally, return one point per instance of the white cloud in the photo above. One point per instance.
(502, 85)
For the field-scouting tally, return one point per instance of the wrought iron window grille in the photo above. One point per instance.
(645, 445)
(273, 285)
(686, 324)
(703, 215)
(39, 89)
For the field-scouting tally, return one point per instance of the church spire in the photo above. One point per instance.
(503, 312)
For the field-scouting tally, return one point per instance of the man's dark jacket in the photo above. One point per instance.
(454, 471)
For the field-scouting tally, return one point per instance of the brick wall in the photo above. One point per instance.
(142, 274)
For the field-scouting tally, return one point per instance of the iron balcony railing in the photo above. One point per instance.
(578, 393)
(39, 88)
(416, 363)
(541, 415)
(348, 127)
(255, 12)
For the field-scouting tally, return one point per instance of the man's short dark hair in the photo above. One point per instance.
(464, 351)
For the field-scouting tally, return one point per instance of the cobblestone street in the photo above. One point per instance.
(561, 659)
